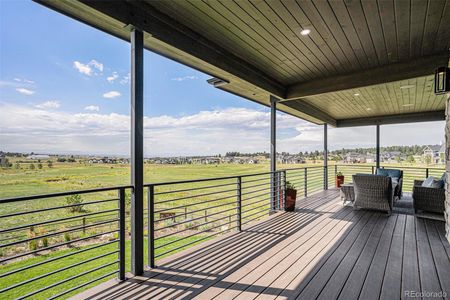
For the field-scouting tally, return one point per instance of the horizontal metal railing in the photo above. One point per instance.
(188, 212)
(29, 236)
(409, 173)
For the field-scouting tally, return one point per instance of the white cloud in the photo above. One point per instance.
(113, 77)
(25, 91)
(89, 68)
(92, 108)
(111, 94)
(24, 80)
(125, 79)
(191, 77)
(206, 132)
(48, 104)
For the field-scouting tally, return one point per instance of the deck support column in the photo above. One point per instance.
(447, 166)
(325, 156)
(377, 157)
(137, 151)
(273, 150)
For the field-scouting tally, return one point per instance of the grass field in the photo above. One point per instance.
(205, 209)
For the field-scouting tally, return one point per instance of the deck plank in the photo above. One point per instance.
(323, 250)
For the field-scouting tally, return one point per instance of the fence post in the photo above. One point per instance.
(151, 225)
(239, 203)
(122, 234)
(306, 182)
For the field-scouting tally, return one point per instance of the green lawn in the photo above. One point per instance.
(64, 262)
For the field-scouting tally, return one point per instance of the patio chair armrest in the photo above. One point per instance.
(418, 182)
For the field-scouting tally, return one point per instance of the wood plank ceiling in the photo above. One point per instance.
(347, 37)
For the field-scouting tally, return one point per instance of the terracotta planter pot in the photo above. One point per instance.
(291, 195)
(339, 181)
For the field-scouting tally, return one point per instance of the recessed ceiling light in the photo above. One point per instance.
(356, 94)
(408, 104)
(305, 32)
(368, 108)
(408, 86)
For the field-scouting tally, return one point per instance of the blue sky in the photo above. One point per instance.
(64, 88)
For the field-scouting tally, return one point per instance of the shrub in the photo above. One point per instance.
(39, 166)
(32, 167)
(50, 164)
(67, 237)
(33, 245)
(45, 242)
(75, 199)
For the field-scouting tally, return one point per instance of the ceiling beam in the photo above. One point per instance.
(310, 110)
(166, 36)
(394, 72)
(393, 119)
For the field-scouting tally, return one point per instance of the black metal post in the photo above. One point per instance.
(335, 173)
(284, 189)
(137, 151)
(325, 156)
(373, 170)
(306, 182)
(273, 148)
(427, 173)
(378, 147)
(151, 226)
(122, 209)
(239, 203)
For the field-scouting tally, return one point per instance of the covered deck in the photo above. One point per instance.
(323, 250)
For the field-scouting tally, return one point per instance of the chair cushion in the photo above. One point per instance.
(433, 183)
(393, 173)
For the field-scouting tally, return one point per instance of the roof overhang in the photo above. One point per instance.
(255, 46)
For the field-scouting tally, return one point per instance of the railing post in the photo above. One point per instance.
(284, 188)
(373, 170)
(122, 234)
(427, 173)
(306, 182)
(151, 225)
(239, 203)
(325, 177)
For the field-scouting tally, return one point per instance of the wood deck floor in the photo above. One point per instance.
(322, 251)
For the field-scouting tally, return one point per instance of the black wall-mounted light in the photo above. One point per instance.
(216, 82)
(442, 80)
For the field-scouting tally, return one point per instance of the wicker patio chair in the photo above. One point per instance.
(428, 198)
(373, 192)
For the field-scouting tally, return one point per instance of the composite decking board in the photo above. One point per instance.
(391, 288)
(317, 283)
(305, 263)
(161, 278)
(410, 270)
(210, 281)
(354, 282)
(374, 278)
(264, 278)
(214, 269)
(298, 280)
(333, 287)
(442, 263)
(276, 254)
(429, 279)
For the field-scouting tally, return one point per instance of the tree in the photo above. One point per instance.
(427, 159)
(39, 166)
(50, 164)
(398, 159)
(410, 159)
(32, 167)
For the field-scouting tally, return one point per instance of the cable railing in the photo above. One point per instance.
(40, 261)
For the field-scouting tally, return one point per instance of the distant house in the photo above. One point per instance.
(38, 156)
(435, 152)
(354, 158)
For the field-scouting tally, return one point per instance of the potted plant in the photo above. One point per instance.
(339, 179)
(291, 195)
